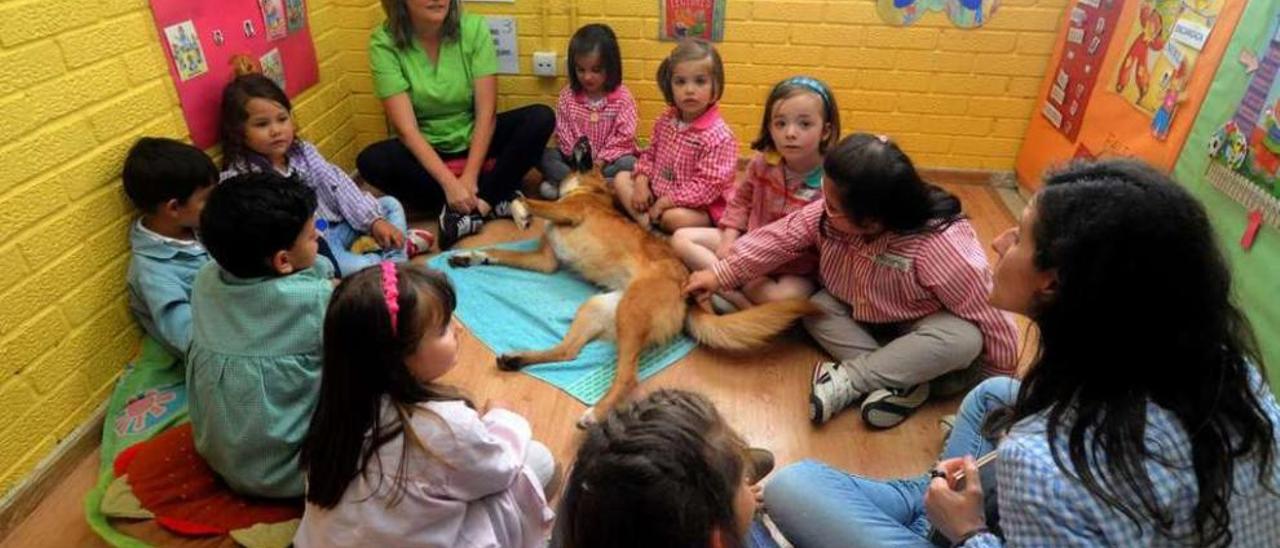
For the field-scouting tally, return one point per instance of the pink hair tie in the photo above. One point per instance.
(883, 138)
(391, 292)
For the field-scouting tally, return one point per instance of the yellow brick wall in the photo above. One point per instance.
(79, 82)
(953, 98)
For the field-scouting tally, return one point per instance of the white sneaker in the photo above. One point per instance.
(830, 392)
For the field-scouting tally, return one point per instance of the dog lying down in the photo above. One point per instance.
(643, 306)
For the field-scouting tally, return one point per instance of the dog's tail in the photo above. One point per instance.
(746, 329)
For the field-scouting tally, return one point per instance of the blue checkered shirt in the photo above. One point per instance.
(1042, 506)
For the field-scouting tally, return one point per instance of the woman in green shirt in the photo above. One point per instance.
(434, 69)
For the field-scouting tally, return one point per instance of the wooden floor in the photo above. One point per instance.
(763, 395)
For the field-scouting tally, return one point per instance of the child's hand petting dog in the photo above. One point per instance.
(701, 284)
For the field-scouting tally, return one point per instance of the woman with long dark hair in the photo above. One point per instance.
(1144, 419)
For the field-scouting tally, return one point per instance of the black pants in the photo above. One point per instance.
(519, 138)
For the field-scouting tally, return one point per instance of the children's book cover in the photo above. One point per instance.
(691, 19)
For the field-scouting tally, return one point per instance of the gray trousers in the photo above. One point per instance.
(940, 347)
(555, 168)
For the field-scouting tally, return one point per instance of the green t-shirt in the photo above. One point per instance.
(442, 94)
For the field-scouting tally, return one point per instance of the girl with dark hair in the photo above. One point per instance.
(394, 458)
(595, 105)
(904, 280)
(434, 68)
(259, 134)
(666, 470)
(801, 122)
(1144, 420)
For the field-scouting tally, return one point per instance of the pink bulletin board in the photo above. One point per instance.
(200, 37)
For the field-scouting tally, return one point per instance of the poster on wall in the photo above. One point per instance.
(185, 50)
(203, 38)
(503, 30)
(296, 14)
(965, 14)
(1164, 43)
(1140, 90)
(691, 19)
(1084, 46)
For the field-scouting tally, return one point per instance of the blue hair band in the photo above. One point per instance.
(811, 84)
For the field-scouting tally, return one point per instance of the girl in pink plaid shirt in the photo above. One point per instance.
(685, 176)
(594, 105)
(801, 121)
(905, 285)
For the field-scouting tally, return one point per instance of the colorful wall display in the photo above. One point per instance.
(201, 39)
(1229, 163)
(963, 13)
(1092, 23)
(1245, 151)
(1129, 79)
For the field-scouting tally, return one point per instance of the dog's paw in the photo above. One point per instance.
(520, 213)
(588, 418)
(510, 362)
(463, 259)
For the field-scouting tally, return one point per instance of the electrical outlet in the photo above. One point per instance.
(544, 64)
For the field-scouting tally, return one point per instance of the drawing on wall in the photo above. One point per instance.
(962, 13)
(273, 19)
(1164, 44)
(273, 67)
(188, 56)
(296, 13)
(691, 19)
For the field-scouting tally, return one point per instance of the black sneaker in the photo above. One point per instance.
(501, 210)
(455, 226)
(888, 407)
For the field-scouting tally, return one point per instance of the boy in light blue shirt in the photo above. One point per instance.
(168, 181)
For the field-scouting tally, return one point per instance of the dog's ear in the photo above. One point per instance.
(582, 162)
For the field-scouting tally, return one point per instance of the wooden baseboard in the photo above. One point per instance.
(27, 495)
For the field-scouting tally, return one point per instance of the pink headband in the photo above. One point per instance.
(390, 292)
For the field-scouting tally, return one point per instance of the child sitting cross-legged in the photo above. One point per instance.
(254, 368)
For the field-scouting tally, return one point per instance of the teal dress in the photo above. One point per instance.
(253, 374)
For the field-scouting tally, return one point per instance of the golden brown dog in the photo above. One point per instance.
(644, 305)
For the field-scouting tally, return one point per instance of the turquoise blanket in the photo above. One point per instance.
(511, 310)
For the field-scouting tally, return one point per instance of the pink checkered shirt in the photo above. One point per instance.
(611, 127)
(891, 278)
(695, 165)
(766, 195)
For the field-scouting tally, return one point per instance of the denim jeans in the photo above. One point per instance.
(339, 236)
(815, 505)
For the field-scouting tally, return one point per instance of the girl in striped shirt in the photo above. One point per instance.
(801, 121)
(905, 284)
(685, 176)
(595, 105)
